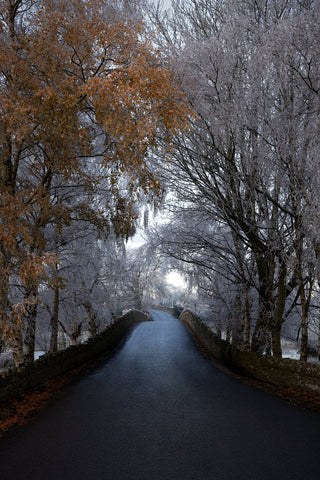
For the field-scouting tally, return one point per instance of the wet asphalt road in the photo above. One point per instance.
(158, 410)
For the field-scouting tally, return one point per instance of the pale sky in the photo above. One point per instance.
(175, 279)
(166, 3)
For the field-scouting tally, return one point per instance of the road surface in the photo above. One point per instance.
(158, 410)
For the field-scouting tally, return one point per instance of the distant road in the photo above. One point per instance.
(158, 410)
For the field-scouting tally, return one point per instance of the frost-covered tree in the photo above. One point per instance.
(249, 72)
(86, 287)
(144, 278)
(84, 92)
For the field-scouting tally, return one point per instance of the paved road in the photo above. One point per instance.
(158, 410)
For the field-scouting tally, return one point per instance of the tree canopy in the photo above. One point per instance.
(245, 174)
(84, 95)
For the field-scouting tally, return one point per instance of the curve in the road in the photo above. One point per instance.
(158, 410)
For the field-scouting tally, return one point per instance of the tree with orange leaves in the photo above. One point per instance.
(84, 95)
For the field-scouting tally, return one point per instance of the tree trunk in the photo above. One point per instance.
(76, 332)
(4, 289)
(91, 319)
(261, 342)
(261, 335)
(317, 252)
(54, 321)
(137, 302)
(247, 320)
(219, 332)
(276, 342)
(319, 342)
(245, 341)
(268, 349)
(31, 316)
(228, 330)
(18, 355)
(276, 322)
(237, 322)
(304, 338)
(304, 306)
(2, 340)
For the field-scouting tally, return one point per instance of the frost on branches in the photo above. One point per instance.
(84, 95)
(246, 173)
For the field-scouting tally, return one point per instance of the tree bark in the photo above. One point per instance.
(276, 321)
(261, 334)
(319, 342)
(237, 322)
(304, 305)
(91, 319)
(260, 337)
(4, 289)
(317, 253)
(54, 321)
(276, 342)
(228, 330)
(245, 341)
(4, 302)
(76, 332)
(304, 337)
(2, 340)
(219, 332)
(3, 316)
(18, 355)
(31, 316)
(247, 320)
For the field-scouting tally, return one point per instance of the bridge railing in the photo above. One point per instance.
(16, 381)
(284, 372)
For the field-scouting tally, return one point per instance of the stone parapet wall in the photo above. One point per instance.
(16, 381)
(283, 372)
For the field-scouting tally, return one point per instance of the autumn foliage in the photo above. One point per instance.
(84, 98)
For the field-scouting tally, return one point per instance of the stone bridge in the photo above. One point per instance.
(157, 409)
